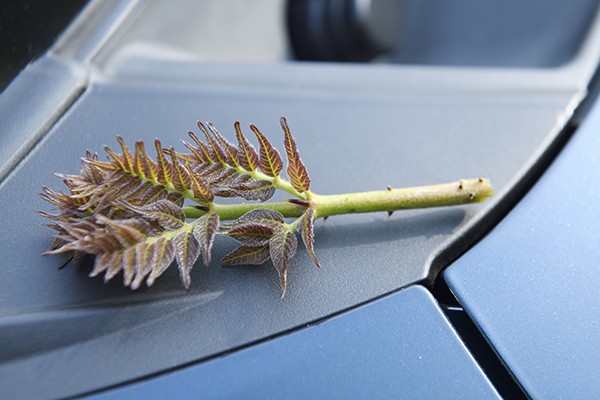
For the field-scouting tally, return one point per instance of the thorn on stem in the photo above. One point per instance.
(480, 180)
(325, 219)
(390, 214)
(299, 202)
(460, 185)
(471, 196)
(388, 187)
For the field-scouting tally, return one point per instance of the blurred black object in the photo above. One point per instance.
(28, 29)
(343, 30)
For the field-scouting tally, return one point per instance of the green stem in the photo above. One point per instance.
(448, 194)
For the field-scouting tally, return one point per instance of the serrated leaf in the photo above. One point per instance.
(127, 232)
(306, 228)
(165, 169)
(220, 176)
(258, 215)
(195, 152)
(143, 263)
(114, 266)
(251, 190)
(205, 231)
(270, 162)
(187, 250)
(296, 170)
(254, 234)
(129, 258)
(201, 191)
(126, 156)
(205, 152)
(175, 198)
(181, 179)
(139, 163)
(100, 264)
(229, 149)
(150, 167)
(245, 255)
(217, 149)
(165, 212)
(162, 257)
(282, 247)
(152, 194)
(247, 156)
(115, 159)
(180, 156)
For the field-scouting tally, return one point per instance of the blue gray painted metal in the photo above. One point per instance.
(532, 284)
(399, 347)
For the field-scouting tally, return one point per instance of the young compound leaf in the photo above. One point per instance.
(270, 161)
(247, 157)
(165, 212)
(245, 255)
(306, 228)
(205, 230)
(187, 250)
(282, 248)
(296, 170)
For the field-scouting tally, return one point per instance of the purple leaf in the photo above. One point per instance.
(187, 250)
(245, 255)
(162, 257)
(282, 248)
(296, 170)
(166, 213)
(247, 157)
(205, 231)
(254, 234)
(270, 161)
(306, 229)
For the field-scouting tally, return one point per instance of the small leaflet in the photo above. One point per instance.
(143, 263)
(282, 247)
(296, 170)
(181, 179)
(306, 228)
(229, 149)
(249, 190)
(270, 162)
(166, 213)
(162, 257)
(217, 149)
(247, 156)
(164, 172)
(114, 266)
(201, 191)
(126, 157)
(205, 231)
(259, 215)
(245, 255)
(254, 234)
(187, 250)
